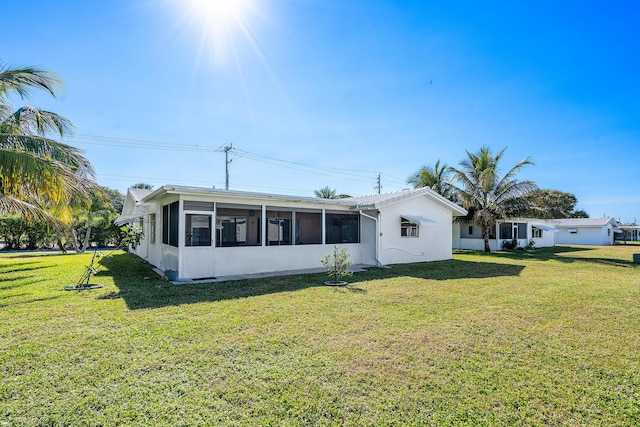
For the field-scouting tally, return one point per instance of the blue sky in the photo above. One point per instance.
(351, 87)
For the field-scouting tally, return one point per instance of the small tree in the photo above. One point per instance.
(337, 265)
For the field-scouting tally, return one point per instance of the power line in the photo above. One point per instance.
(340, 173)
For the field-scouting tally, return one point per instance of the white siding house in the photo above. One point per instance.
(542, 232)
(205, 233)
(587, 231)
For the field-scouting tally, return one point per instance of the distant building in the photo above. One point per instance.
(586, 231)
(523, 230)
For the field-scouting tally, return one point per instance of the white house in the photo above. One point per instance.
(587, 231)
(542, 232)
(205, 233)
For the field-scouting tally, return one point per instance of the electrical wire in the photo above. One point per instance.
(338, 173)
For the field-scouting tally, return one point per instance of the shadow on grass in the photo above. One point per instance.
(566, 254)
(141, 288)
(22, 282)
(28, 301)
(23, 266)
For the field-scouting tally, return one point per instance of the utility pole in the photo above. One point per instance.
(378, 186)
(226, 165)
(226, 149)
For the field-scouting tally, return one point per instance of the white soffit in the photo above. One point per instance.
(545, 227)
(420, 220)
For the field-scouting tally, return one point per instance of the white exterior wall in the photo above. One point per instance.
(586, 236)
(434, 241)
(548, 239)
(211, 261)
(457, 240)
(478, 244)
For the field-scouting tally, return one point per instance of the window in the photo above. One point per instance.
(165, 224)
(238, 226)
(608, 232)
(492, 231)
(471, 230)
(506, 231)
(170, 224)
(342, 228)
(152, 228)
(572, 230)
(536, 233)
(279, 227)
(198, 230)
(174, 209)
(408, 228)
(308, 228)
(522, 230)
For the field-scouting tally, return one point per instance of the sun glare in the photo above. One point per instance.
(217, 25)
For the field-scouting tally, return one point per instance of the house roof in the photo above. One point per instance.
(139, 193)
(200, 191)
(138, 197)
(375, 201)
(584, 222)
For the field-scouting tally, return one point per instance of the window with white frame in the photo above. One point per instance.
(536, 233)
(408, 228)
(238, 225)
(198, 230)
(279, 227)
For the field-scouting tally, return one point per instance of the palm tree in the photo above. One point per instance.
(142, 186)
(435, 178)
(36, 172)
(488, 197)
(328, 193)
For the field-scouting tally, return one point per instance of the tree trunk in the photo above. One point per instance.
(74, 241)
(87, 235)
(485, 236)
(61, 247)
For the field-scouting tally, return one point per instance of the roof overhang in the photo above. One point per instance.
(545, 227)
(241, 195)
(124, 219)
(420, 220)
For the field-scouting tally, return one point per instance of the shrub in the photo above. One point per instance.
(337, 264)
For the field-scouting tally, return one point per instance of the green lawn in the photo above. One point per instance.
(544, 338)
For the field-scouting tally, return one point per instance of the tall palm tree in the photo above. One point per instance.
(435, 178)
(36, 173)
(484, 193)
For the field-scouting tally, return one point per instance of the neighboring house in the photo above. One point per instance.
(205, 233)
(542, 232)
(630, 233)
(586, 231)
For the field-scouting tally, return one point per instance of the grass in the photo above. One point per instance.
(544, 338)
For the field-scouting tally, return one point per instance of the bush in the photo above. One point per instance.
(510, 245)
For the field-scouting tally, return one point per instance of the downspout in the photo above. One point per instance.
(378, 240)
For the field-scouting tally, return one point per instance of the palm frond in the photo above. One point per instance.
(47, 148)
(20, 80)
(34, 121)
(32, 213)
